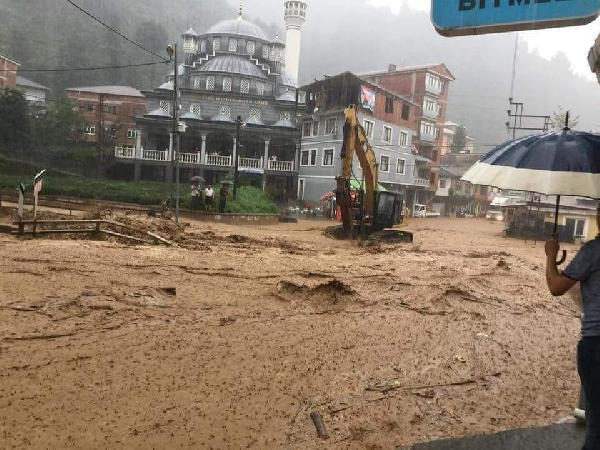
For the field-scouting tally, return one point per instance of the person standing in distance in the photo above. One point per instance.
(209, 193)
(585, 269)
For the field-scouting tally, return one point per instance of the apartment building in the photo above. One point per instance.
(389, 122)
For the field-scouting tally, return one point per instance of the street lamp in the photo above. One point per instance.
(172, 52)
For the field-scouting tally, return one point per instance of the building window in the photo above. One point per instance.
(250, 47)
(90, 130)
(389, 105)
(433, 81)
(227, 84)
(131, 134)
(328, 157)
(226, 110)
(265, 51)
(233, 45)
(255, 112)
(403, 139)
(400, 165)
(368, 128)
(285, 115)
(245, 87)
(210, 83)
(405, 111)
(195, 108)
(197, 83)
(260, 88)
(308, 158)
(387, 134)
(330, 125)
(165, 106)
(384, 163)
(89, 107)
(428, 128)
(203, 46)
(306, 128)
(110, 109)
(216, 45)
(315, 128)
(442, 183)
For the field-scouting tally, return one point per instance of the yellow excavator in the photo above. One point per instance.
(367, 212)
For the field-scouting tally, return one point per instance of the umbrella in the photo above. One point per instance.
(197, 179)
(226, 182)
(557, 162)
(327, 196)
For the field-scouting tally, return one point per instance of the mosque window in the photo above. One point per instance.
(195, 108)
(250, 47)
(260, 88)
(255, 112)
(265, 52)
(210, 83)
(233, 45)
(203, 46)
(245, 87)
(165, 106)
(227, 84)
(226, 110)
(285, 115)
(197, 83)
(216, 45)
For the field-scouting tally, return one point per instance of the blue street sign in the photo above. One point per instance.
(466, 17)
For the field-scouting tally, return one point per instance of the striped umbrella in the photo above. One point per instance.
(557, 162)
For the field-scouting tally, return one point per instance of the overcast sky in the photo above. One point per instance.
(574, 42)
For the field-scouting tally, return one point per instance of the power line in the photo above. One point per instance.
(116, 31)
(81, 69)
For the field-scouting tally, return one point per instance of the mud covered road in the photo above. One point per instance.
(452, 335)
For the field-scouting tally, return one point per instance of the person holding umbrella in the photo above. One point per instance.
(583, 269)
(557, 163)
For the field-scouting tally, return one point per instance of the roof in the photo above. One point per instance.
(429, 67)
(284, 123)
(158, 112)
(286, 97)
(238, 27)
(253, 120)
(191, 115)
(447, 173)
(233, 64)
(287, 79)
(8, 59)
(111, 90)
(190, 32)
(28, 83)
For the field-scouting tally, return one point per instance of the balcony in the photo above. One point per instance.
(189, 158)
(281, 166)
(427, 137)
(430, 88)
(124, 152)
(250, 163)
(430, 113)
(218, 161)
(424, 182)
(154, 155)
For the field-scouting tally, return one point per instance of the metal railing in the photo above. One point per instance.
(281, 166)
(124, 152)
(217, 160)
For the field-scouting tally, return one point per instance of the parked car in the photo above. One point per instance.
(421, 211)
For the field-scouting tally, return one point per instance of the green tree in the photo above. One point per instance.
(459, 142)
(559, 119)
(61, 124)
(14, 121)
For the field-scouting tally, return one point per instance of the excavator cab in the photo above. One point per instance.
(388, 210)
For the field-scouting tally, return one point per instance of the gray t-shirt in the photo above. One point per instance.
(585, 268)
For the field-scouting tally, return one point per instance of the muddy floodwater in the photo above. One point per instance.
(232, 338)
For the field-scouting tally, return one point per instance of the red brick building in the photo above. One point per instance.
(428, 87)
(110, 112)
(8, 72)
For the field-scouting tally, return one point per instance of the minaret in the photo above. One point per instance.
(295, 15)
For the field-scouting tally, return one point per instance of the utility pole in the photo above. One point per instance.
(238, 124)
(172, 52)
(516, 116)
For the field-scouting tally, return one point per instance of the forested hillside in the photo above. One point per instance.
(53, 33)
